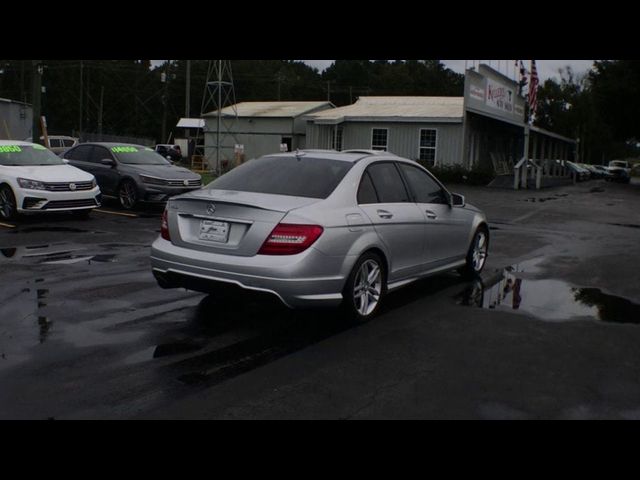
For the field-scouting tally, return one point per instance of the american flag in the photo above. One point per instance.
(533, 90)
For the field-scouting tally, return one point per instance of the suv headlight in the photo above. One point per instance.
(153, 180)
(31, 184)
(94, 184)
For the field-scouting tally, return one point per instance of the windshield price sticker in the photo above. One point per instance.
(10, 149)
(124, 149)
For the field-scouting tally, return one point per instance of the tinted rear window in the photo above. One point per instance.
(307, 177)
(388, 183)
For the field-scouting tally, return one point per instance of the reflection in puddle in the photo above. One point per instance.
(552, 300)
(43, 322)
(59, 254)
(54, 229)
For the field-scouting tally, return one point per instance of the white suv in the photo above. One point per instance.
(34, 179)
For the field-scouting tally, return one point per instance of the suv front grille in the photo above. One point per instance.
(65, 186)
(180, 183)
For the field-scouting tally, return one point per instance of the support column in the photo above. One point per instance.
(523, 170)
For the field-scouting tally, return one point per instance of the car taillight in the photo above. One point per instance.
(164, 226)
(289, 239)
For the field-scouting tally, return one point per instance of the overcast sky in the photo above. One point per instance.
(546, 68)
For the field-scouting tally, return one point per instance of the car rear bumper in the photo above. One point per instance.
(308, 279)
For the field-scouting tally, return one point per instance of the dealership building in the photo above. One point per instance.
(260, 127)
(485, 127)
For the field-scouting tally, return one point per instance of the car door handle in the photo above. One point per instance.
(431, 214)
(384, 214)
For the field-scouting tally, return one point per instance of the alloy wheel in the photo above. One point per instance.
(367, 287)
(479, 254)
(128, 195)
(7, 204)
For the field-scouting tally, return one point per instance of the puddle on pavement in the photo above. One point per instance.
(25, 322)
(547, 299)
(54, 229)
(53, 254)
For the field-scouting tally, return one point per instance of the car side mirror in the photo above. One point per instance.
(457, 200)
(108, 161)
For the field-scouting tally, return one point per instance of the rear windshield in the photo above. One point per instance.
(138, 155)
(27, 155)
(307, 177)
(618, 164)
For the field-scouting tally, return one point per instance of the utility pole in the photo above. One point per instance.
(187, 95)
(100, 112)
(36, 101)
(328, 90)
(81, 97)
(23, 93)
(219, 143)
(164, 77)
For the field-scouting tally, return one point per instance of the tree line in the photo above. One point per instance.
(599, 108)
(138, 98)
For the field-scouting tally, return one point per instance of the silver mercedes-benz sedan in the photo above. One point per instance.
(319, 228)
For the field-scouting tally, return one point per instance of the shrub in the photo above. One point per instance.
(458, 174)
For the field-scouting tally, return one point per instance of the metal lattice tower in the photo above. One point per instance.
(219, 94)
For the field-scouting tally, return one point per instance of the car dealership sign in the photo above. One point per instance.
(500, 96)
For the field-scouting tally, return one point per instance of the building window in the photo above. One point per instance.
(379, 139)
(337, 139)
(428, 145)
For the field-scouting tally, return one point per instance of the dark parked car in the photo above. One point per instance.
(598, 171)
(132, 173)
(620, 171)
(173, 153)
(581, 173)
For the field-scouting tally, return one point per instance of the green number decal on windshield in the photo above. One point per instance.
(10, 149)
(124, 149)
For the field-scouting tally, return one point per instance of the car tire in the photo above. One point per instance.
(128, 194)
(364, 289)
(8, 205)
(477, 254)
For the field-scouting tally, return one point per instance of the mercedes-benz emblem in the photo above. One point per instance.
(211, 209)
(72, 186)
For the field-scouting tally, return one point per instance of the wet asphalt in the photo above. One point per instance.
(550, 331)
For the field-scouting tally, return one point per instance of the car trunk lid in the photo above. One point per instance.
(228, 222)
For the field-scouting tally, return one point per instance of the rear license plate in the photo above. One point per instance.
(214, 231)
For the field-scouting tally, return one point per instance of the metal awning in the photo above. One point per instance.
(190, 123)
